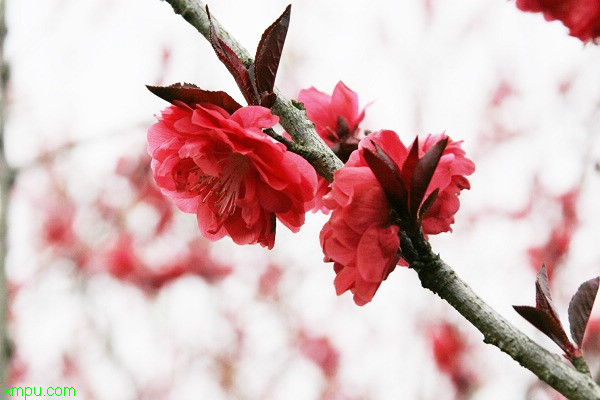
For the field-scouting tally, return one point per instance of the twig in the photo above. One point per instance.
(434, 274)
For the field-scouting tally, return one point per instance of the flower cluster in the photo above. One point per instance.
(582, 17)
(213, 158)
(227, 171)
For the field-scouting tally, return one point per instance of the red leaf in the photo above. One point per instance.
(385, 158)
(548, 324)
(422, 174)
(580, 308)
(388, 179)
(233, 63)
(408, 166)
(269, 51)
(428, 203)
(543, 298)
(192, 95)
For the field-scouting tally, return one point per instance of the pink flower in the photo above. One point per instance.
(450, 351)
(336, 118)
(582, 17)
(553, 251)
(139, 175)
(122, 262)
(268, 283)
(450, 179)
(361, 237)
(319, 350)
(228, 172)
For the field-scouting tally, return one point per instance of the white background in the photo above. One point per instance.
(78, 70)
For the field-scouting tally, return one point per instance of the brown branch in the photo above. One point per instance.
(434, 274)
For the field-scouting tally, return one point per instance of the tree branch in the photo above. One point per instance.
(293, 119)
(438, 277)
(434, 274)
(6, 181)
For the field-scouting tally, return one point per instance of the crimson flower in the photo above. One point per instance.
(582, 17)
(380, 191)
(336, 118)
(227, 171)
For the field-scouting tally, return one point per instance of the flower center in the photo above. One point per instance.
(220, 191)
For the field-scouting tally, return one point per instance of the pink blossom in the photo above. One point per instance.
(319, 350)
(553, 251)
(139, 176)
(582, 17)
(361, 237)
(450, 179)
(268, 283)
(336, 118)
(450, 351)
(122, 262)
(228, 172)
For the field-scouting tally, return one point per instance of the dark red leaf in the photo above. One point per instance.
(422, 174)
(543, 298)
(269, 51)
(233, 63)
(388, 179)
(408, 166)
(428, 203)
(580, 308)
(548, 324)
(191, 95)
(386, 158)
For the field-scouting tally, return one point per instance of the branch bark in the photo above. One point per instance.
(434, 274)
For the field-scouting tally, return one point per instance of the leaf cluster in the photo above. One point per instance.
(545, 318)
(256, 80)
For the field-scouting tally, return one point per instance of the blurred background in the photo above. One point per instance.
(112, 291)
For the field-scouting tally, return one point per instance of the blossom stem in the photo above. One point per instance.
(293, 119)
(434, 274)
